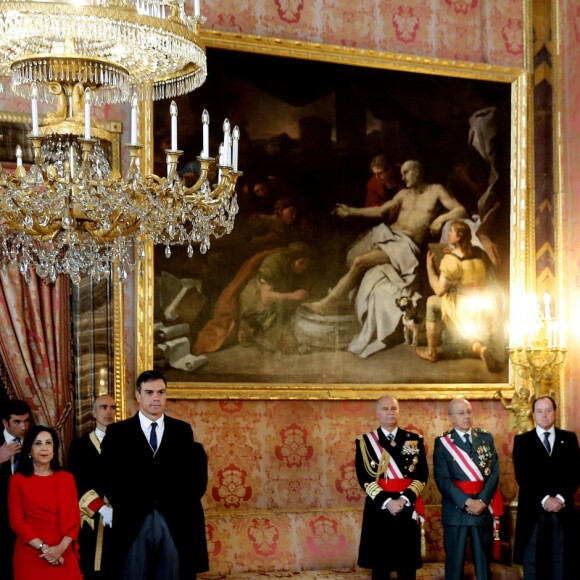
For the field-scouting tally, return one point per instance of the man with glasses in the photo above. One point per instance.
(466, 471)
(547, 469)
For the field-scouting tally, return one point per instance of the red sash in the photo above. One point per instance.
(400, 485)
(495, 508)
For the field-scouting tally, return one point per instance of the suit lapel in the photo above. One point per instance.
(167, 435)
(559, 445)
(382, 439)
(141, 440)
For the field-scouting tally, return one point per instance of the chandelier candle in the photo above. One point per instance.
(87, 114)
(34, 107)
(173, 113)
(205, 123)
(134, 120)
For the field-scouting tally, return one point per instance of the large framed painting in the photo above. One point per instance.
(361, 171)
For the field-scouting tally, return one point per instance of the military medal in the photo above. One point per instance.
(392, 443)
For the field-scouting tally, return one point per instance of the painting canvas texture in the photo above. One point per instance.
(309, 131)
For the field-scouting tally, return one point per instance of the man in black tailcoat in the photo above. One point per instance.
(155, 477)
(547, 469)
(392, 469)
(84, 462)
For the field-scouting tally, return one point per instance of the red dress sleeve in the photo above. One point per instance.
(16, 501)
(68, 513)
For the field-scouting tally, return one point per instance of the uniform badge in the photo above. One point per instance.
(392, 443)
(484, 456)
(410, 448)
(411, 468)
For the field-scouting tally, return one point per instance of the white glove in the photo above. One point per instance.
(107, 515)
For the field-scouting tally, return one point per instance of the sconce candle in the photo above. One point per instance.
(546, 306)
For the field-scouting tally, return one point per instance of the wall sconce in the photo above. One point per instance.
(536, 350)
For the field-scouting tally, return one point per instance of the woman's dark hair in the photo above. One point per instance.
(25, 464)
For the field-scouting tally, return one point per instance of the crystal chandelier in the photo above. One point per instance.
(69, 213)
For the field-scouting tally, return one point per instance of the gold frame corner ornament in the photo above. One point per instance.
(522, 268)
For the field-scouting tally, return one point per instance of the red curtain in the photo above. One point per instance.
(35, 347)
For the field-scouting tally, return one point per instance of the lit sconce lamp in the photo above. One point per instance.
(536, 349)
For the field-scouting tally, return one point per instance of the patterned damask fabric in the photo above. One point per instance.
(455, 30)
(34, 344)
(283, 493)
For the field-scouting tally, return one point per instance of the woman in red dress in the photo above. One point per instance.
(43, 512)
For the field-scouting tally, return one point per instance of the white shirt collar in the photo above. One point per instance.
(540, 431)
(8, 437)
(462, 434)
(146, 422)
(100, 434)
(387, 433)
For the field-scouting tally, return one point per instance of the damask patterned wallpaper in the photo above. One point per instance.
(282, 487)
(473, 30)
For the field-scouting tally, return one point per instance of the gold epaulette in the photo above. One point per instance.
(480, 430)
(373, 489)
(443, 434)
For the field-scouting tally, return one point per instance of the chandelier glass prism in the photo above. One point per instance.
(69, 213)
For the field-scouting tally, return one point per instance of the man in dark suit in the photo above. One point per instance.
(16, 420)
(84, 462)
(466, 471)
(155, 476)
(392, 469)
(547, 469)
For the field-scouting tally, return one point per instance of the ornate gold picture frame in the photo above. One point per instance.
(520, 230)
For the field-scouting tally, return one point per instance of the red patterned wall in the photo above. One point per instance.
(282, 488)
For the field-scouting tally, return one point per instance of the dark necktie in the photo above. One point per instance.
(16, 455)
(467, 441)
(547, 442)
(153, 437)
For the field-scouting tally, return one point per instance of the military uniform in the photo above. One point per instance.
(457, 523)
(390, 542)
(85, 465)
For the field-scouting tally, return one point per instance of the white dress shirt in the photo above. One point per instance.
(146, 426)
(9, 438)
(552, 439)
(462, 434)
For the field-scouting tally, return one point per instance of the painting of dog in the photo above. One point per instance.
(412, 319)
